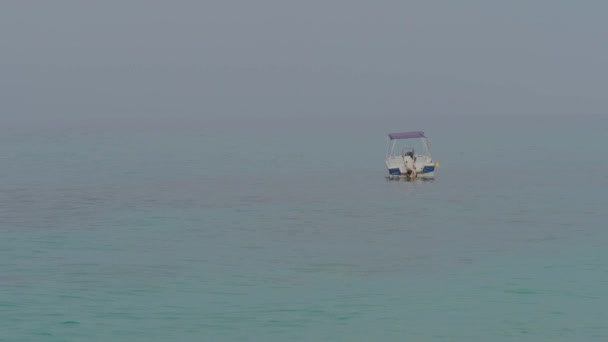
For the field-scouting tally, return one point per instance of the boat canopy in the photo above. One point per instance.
(406, 135)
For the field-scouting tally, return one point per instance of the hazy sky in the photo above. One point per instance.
(111, 58)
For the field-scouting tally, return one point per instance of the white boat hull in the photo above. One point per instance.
(425, 167)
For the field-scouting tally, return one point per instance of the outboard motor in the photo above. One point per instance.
(410, 167)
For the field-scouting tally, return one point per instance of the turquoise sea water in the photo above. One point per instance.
(277, 230)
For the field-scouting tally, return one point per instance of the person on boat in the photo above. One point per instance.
(410, 167)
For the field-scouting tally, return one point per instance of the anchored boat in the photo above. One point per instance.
(405, 162)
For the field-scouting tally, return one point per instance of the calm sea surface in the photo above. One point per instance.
(288, 230)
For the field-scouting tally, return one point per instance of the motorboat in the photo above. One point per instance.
(403, 161)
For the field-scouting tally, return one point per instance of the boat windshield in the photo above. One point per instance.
(401, 147)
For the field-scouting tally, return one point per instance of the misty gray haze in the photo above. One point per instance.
(215, 170)
(64, 60)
